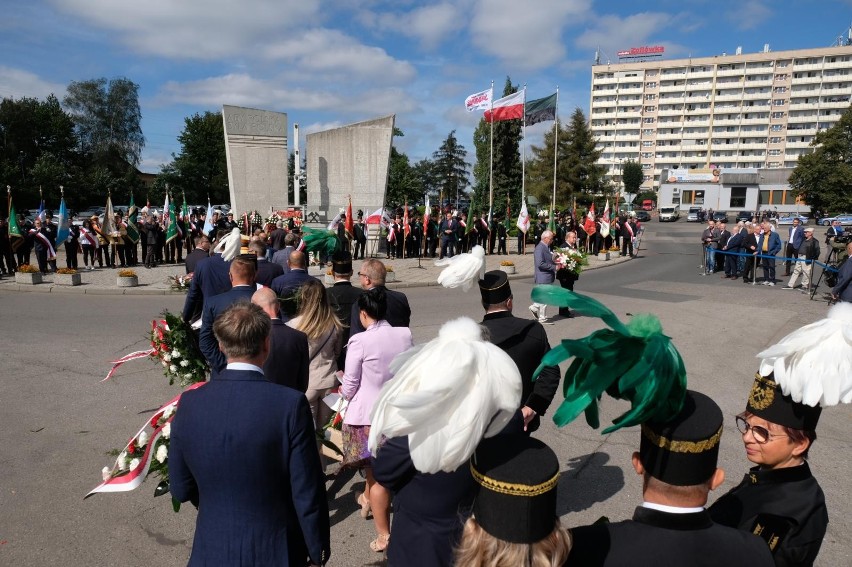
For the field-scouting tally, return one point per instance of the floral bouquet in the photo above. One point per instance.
(174, 345)
(180, 283)
(330, 436)
(571, 261)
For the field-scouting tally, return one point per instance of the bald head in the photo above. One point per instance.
(266, 299)
(297, 260)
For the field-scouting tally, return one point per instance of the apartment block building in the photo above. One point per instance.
(757, 110)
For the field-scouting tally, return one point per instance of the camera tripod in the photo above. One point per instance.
(831, 259)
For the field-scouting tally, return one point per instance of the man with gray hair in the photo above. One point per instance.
(545, 272)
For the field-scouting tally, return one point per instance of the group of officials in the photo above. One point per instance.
(244, 449)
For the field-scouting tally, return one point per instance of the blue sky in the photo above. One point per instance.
(328, 64)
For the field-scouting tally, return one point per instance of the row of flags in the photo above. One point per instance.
(513, 107)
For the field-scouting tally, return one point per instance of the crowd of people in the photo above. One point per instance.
(750, 245)
(451, 453)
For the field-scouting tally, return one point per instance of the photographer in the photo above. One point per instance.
(843, 290)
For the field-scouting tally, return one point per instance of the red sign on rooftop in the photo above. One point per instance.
(644, 51)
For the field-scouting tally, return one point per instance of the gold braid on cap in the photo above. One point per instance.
(762, 392)
(513, 489)
(681, 446)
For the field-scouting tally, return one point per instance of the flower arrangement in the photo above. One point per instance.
(28, 269)
(126, 274)
(331, 436)
(507, 263)
(570, 260)
(180, 283)
(67, 271)
(389, 268)
(173, 345)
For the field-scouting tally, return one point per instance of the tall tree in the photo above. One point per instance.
(450, 168)
(585, 175)
(201, 169)
(540, 169)
(108, 119)
(823, 178)
(632, 177)
(506, 162)
(423, 171)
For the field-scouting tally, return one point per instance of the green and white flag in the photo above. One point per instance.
(16, 237)
(171, 230)
(132, 218)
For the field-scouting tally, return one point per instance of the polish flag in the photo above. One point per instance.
(507, 108)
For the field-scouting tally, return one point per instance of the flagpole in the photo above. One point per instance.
(555, 152)
(524, 153)
(491, 155)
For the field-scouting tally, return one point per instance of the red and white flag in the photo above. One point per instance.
(507, 108)
(478, 101)
(591, 214)
(406, 228)
(523, 219)
(605, 220)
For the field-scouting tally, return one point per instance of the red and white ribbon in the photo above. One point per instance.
(51, 253)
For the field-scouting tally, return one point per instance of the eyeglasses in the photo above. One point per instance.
(363, 275)
(760, 434)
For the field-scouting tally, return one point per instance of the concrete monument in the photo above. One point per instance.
(256, 150)
(350, 160)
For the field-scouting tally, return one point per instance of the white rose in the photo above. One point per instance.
(106, 473)
(169, 411)
(143, 439)
(162, 453)
(122, 461)
(173, 368)
(184, 363)
(188, 375)
(134, 464)
(165, 364)
(175, 354)
(167, 430)
(167, 357)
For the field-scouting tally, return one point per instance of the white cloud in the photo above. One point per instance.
(204, 29)
(613, 33)
(17, 83)
(529, 37)
(749, 15)
(428, 24)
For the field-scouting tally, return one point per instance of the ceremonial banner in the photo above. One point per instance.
(171, 230)
(16, 237)
(208, 219)
(350, 222)
(523, 219)
(509, 107)
(132, 220)
(64, 225)
(605, 220)
(108, 227)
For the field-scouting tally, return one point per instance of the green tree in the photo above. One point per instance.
(540, 168)
(823, 178)
(450, 168)
(632, 177)
(423, 171)
(506, 162)
(585, 175)
(108, 120)
(200, 170)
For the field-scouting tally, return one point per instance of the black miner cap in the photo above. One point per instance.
(494, 287)
(341, 262)
(684, 450)
(767, 401)
(517, 475)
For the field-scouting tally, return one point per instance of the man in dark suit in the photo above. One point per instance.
(211, 277)
(768, 245)
(242, 272)
(200, 252)
(447, 230)
(343, 295)
(282, 256)
(289, 283)
(749, 246)
(360, 235)
(266, 270)
(373, 274)
(733, 246)
(677, 461)
(525, 341)
(288, 353)
(243, 450)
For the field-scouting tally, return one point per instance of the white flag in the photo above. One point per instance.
(605, 220)
(524, 219)
(165, 214)
(478, 101)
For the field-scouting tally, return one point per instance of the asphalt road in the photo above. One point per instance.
(57, 420)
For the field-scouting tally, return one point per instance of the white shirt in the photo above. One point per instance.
(243, 366)
(671, 509)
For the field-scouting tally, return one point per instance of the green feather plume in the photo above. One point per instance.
(634, 362)
(324, 242)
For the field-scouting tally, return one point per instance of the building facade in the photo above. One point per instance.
(758, 110)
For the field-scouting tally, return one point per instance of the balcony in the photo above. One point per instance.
(801, 118)
(672, 88)
(730, 72)
(669, 136)
(797, 67)
(755, 121)
(623, 91)
(729, 97)
(604, 80)
(837, 91)
(757, 96)
(800, 145)
(671, 100)
(807, 80)
(837, 65)
(834, 104)
(726, 122)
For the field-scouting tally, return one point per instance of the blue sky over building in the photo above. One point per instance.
(332, 63)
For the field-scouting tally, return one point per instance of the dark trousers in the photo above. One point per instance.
(117, 251)
(750, 269)
(360, 246)
(431, 246)
(501, 246)
(7, 260)
(151, 258)
(144, 242)
(100, 254)
(447, 247)
(41, 258)
(626, 245)
(789, 252)
(88, 256)
(23, 255)
(521, 242)
(567, 282)
(131, 252)
(768, 265)
(71, 255)
(731, 264)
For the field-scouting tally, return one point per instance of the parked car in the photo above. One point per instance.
(695, 214)
(720, 216)
(788, 219)
(643, 216)
(745, 216)
(845, 219)
(669, 214)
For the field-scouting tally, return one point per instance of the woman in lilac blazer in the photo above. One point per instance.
(368, 356)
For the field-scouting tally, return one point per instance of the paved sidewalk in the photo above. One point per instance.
(155, 281)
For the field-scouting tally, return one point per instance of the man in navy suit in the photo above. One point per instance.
(241, 275)
(210, 278)
(266, 270)
(289, 283)
(288, 352)
(243, 450)
(373, 274)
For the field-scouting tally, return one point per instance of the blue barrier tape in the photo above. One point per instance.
(777, 258)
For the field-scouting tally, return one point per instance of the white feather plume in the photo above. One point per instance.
(229, 246)
(463, 270)
(813, 364)
(446, 396)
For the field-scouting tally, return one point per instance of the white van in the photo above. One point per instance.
(669, 214)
